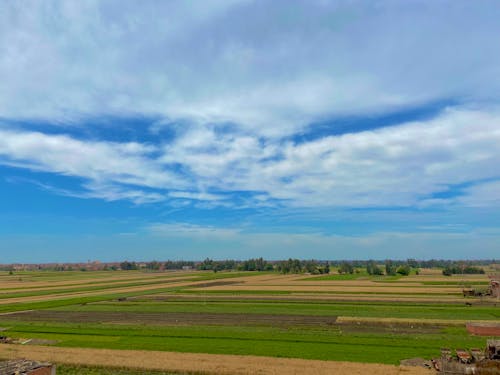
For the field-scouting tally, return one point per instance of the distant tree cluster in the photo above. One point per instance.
(216, 266)
(346, 267)
(443, 263)
(373, 267)
(391, 268)
(303, 266)
(462, 269)
(255, 265)
(127, 266)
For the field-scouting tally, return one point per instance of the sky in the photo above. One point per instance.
(237, 129)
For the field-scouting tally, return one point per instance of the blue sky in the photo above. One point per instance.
(234, 129)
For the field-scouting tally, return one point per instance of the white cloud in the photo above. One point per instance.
(195, 196)
(279, 245)
(398, 166)
(192, 231)
(110, 169)
(482, 195)
(265, 71)
(263, 66)
(401, 165)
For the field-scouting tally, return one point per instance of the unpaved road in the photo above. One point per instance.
(201, 363)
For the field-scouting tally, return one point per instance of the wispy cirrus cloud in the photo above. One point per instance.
(191, 231)
(110, 170)
(278, 245)
(402, 165)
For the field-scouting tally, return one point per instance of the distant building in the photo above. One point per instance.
(495, 288)
(26, 367)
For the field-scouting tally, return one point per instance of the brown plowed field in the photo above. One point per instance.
(92, 284)
(303, 298)
(29, 286)
(346, 324)
(167, 284)
(171, 318)
(201, 363)
(340, 289)
(484, 329)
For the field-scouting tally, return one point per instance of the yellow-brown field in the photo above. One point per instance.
(202, 363)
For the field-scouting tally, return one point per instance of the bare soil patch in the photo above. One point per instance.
(201, 363)
(484, 329)
(345, 324)
(406, 321)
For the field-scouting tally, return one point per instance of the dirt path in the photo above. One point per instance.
(200, 363)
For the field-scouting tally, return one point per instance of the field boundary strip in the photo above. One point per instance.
(200, 363)
(444, 322)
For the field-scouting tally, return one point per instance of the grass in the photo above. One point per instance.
(76, 301)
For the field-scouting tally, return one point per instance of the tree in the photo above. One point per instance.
(390, 268)
(260, 264)
(154, 265)
(373, 269)
(327, 268)
(447, 271)
(269, 267)
(346, 267)
(404, 270)
(127, 266)
(207, 264)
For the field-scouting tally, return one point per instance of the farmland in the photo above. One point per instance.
(357, 320)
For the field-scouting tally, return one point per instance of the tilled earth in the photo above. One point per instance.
(171, 318)
(187, 319)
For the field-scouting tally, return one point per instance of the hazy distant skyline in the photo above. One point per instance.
(236, 129)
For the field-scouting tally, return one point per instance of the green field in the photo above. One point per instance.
(360, 309)
(309, 342)
(83, 321)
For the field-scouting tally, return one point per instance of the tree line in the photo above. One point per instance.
(371, 267)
